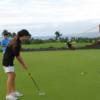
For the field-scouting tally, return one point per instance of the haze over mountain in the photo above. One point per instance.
(88, 28)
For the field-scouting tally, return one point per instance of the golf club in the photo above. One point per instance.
(40, 93)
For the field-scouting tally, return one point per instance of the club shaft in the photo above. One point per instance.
(33, 80)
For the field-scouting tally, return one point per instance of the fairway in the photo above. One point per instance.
(63, 75)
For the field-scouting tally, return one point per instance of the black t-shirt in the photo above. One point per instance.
(10, 53)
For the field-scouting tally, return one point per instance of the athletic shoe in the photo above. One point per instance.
(11, 97)
(17, 94)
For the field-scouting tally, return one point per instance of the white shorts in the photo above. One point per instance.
(9, 69)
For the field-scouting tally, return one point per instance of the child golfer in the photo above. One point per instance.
(12, 51)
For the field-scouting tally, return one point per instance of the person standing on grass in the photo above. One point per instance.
(12, 51)
(5, 40)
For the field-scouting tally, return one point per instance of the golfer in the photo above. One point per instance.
(12, 51)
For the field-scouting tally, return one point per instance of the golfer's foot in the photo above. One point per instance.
(11, 97)
(17, 94)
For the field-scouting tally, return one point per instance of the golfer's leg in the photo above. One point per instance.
(10, 82)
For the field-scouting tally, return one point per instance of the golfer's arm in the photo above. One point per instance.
(20, 59)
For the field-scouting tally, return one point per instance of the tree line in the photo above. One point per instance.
(58, 37)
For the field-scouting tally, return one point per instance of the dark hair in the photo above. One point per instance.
(23, 32)
(19, 34)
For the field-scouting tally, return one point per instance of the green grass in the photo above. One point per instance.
(45, 45)
(81, 44)
(56, 44)
(58, 74)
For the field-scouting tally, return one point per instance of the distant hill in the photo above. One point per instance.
(89, 35)
(82, 35)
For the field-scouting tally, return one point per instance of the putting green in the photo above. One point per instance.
(63, 75)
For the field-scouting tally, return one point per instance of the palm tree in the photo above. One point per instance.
(58, 35)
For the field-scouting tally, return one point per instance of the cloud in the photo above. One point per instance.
(48, 11)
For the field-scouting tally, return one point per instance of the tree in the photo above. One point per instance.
(58, 35)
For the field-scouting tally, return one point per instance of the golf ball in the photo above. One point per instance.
(82, 73)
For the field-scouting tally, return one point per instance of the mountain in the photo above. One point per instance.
(88, 35)
(67, 29)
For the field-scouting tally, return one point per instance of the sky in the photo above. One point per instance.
(40, 13)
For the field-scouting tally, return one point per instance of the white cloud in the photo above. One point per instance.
(52, 11)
